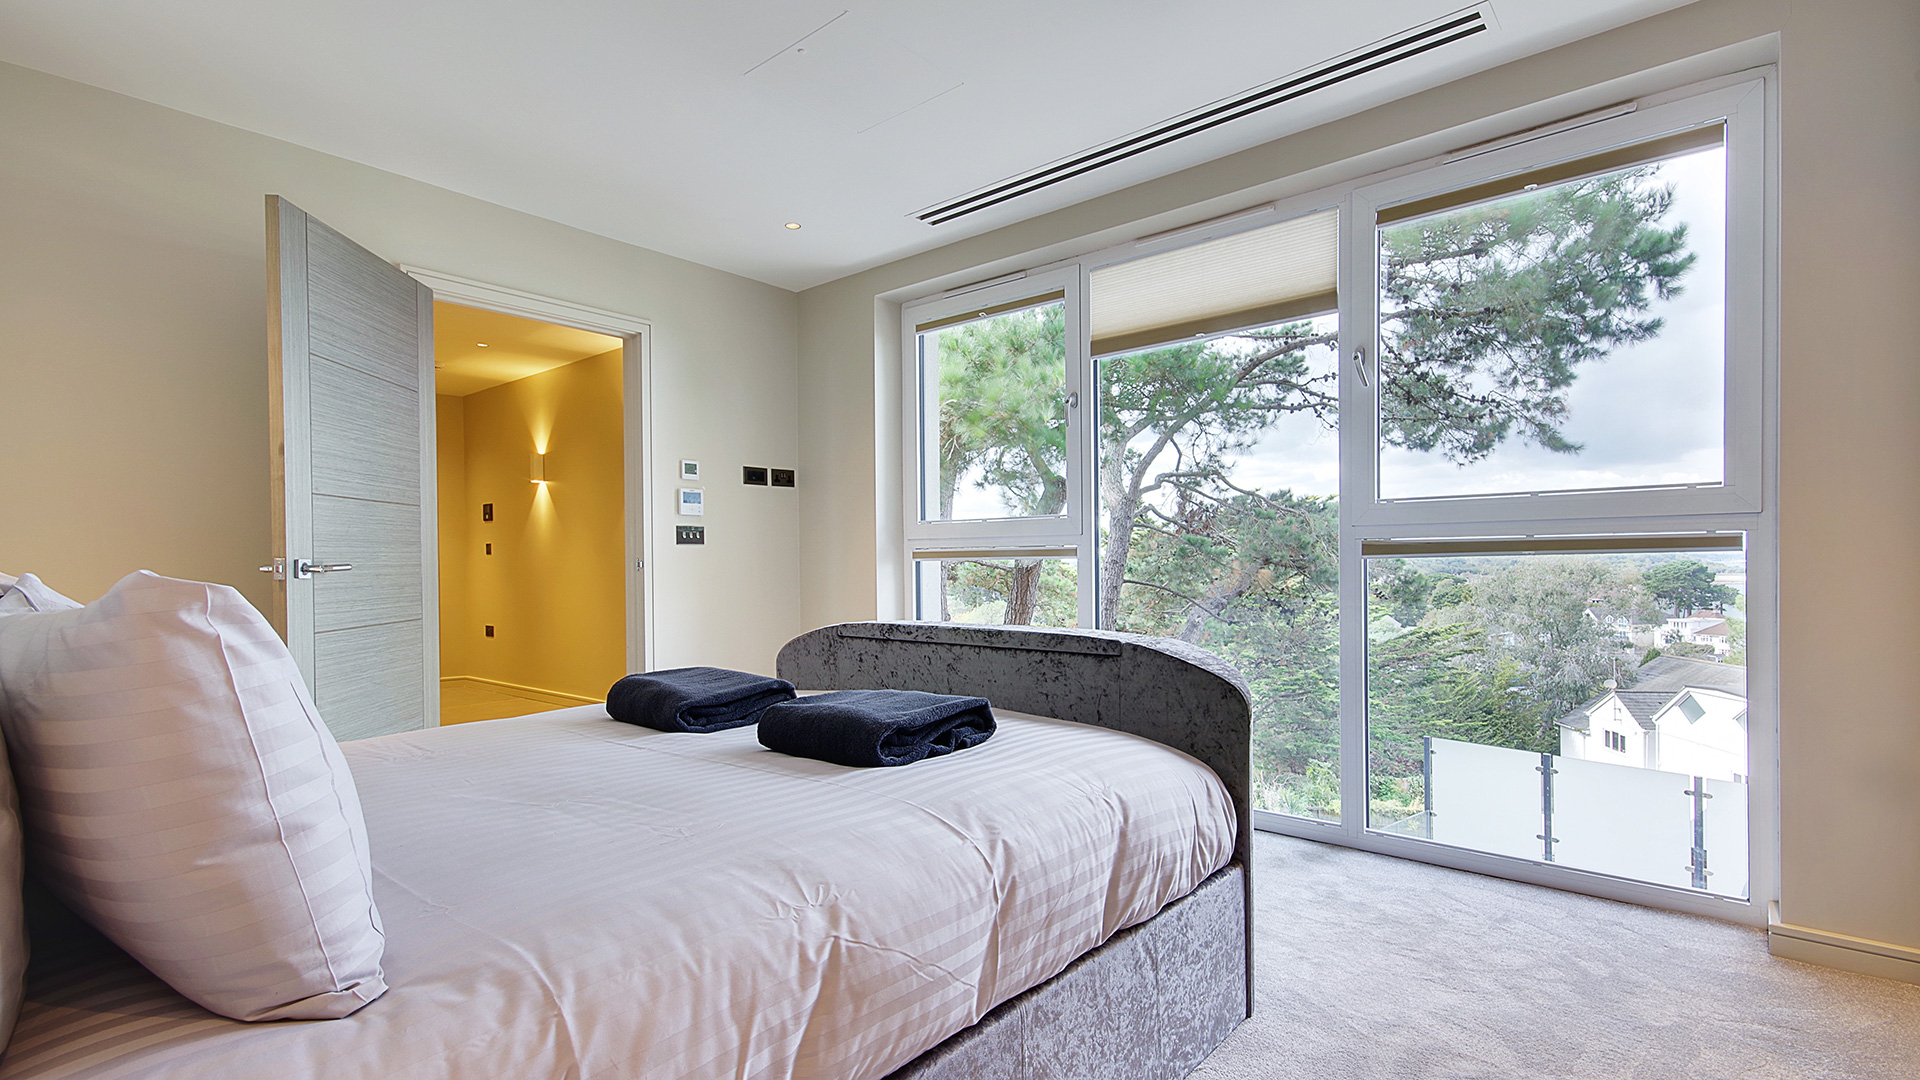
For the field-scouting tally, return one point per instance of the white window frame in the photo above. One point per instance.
(1744, 503)
(1001, 537)
(1742, 108)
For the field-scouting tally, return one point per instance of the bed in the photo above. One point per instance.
(566, 896)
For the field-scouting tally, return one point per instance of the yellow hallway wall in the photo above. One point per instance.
(450, 467)
(554, 588)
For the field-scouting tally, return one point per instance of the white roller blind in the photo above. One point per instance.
(1265, 275)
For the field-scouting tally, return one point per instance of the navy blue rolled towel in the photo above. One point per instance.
(876, 727)
(694, 698)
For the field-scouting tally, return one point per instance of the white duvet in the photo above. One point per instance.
(566, 896)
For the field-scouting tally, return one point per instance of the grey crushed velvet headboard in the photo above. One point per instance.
(1157, 688)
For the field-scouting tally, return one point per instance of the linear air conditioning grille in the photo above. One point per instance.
(1404, 46)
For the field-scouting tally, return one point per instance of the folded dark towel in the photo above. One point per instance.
(876, 727)
(694, 698)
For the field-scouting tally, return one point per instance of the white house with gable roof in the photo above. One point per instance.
(1681, 716)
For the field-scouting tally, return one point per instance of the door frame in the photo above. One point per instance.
(636, 391)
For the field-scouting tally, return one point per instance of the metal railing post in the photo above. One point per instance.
(1547, 839)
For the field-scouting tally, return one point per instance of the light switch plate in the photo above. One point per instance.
(689, 534)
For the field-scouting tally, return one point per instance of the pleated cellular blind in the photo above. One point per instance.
(1625, 157)
(1021, 304)
(1554, 545)
(1261, 276)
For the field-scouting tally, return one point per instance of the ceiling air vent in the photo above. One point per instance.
(1402, 46)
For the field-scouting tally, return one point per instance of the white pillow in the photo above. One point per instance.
(13, 912)
(17, 596)
(27, 593)
(180, 793)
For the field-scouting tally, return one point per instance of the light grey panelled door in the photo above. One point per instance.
(350, 373)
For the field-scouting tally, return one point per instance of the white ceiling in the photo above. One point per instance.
(700, 129)
(475, 350)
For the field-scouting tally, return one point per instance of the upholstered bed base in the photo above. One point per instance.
(1156, 998)
(1150, 1004)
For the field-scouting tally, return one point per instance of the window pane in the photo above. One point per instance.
(1042, 591)
(1219, 470)
(993, 416)
(1566, 338)
(1622, 676)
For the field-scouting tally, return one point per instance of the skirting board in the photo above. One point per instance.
(1857, 955)
(1150, 1004)
(516, 688)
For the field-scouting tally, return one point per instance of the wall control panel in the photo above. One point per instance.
(689, 534)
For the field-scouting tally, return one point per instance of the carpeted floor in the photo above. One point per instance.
(1373, 967)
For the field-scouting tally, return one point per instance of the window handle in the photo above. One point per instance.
(1073, 399)
(1360, 366)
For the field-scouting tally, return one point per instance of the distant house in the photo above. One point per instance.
(1698, 629)
(1680, 715)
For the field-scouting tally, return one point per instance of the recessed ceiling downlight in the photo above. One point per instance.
(793, 224)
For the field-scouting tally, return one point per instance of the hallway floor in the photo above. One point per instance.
(464, 700)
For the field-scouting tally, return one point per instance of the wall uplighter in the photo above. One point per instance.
(537, 468)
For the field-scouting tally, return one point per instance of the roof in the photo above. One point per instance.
(1659, 679)
(1671, 673)
(1639, 704)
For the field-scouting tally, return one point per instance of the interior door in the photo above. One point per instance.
(350, 387)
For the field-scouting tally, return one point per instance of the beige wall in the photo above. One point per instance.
(1849, 489)
(554, 587)
(133, 360)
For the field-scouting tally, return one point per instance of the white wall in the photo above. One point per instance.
(133, 390)
(1849, 489)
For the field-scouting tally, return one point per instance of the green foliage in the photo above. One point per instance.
(1003, 408)
(1488, 316)
(1402, 591)
(1036, 592)
(1313, 792)
(1690, 649)
(1488, 312)
(1737, 640)
(1687, 585)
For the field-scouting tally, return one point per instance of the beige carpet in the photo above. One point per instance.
(1373, 967)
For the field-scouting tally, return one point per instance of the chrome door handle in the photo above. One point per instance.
(303, 568)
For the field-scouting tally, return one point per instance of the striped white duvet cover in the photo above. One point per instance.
(566, 896)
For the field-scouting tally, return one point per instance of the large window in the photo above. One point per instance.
(1463, 469)
(1567, 336)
